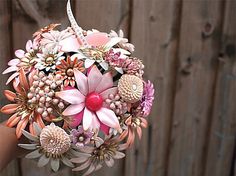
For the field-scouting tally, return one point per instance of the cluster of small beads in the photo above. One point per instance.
(133, 66)
(116, 104)
(42, 92)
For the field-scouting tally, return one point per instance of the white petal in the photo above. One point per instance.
(104, 65)
(112, 42)
(109, 162)
(122, 51)
(33, 155)
(43, 161)
(120, 70)
(87, 119)
(108, 117)
(55, 164)
(78, 56)
(88, 63)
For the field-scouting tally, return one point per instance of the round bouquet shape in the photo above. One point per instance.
(79, 97)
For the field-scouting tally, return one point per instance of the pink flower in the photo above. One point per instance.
(94, 39)
(87, 102)
(147, 98)
(25, 60)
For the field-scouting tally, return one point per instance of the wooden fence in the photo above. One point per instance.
(189, 49)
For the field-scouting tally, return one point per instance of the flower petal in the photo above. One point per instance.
(90, 170)
(107, 92)
(30, 136)
(67, 162)
(72, 96)
(95, 123)
(110, 162)
(13, 76)
(33, 155)
(70, 44)
(20, 53)
(94, 78)
(77, 119)
(28, 146)
(13, 62)
(87, 119)
(97, 39)
(10, 95)
(104, 128)
(104, 65)
(108, 117)
(29, 45)
(73, 109)
(43, 161)
(83, 166)
(105, 83)
(81, 81)
(13, 120)
(119, 155)
(55, 164)
(79, 159)
(88, 63)
(9, 109)
(10, 69)
(23, 80)
(21, 126)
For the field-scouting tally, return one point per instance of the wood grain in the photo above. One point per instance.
(189, 50)
(197, 66)
(220, 158)
(157, 47)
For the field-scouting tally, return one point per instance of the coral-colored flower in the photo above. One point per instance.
(87, 102)
(25, 60)
(23, 111)
(66, 70)
(134, 124)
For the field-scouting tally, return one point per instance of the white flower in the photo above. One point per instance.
(124, 41)
(54, 38)
(49, 59)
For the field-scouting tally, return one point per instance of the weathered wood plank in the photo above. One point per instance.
(6, 48)
(220, 158)
(197, 57)
(101, 15)
(155, 33)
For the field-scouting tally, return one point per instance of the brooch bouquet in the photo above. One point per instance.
(79, 97)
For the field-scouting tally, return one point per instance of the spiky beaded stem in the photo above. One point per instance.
(75, 26)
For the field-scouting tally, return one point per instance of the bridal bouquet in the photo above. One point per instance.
(79, 97)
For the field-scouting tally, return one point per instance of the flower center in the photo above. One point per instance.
(70, 72)
(49, 60)
(94, 101)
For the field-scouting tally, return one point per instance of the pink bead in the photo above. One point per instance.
(30, 95)
(40, 110)
(94, 101)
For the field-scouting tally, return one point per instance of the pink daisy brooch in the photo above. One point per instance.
(79, 97)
